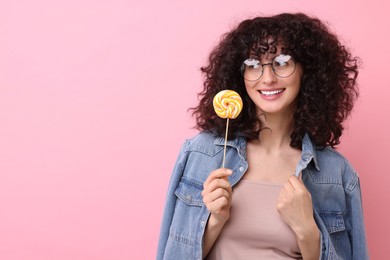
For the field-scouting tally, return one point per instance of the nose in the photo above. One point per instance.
(268, 76)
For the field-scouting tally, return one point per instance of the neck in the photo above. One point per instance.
(276, 132)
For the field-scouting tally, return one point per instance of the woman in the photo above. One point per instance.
(285, 192)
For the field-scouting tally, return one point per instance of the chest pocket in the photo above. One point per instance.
(333, 221)
(190, 192)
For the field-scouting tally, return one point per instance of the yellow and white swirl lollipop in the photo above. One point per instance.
(227, 104)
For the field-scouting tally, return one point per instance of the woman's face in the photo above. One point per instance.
(277, 88)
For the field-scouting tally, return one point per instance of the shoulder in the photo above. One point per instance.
(203, 138)
(202, 155)
(203, 142)
(329, 155)
(337, 167)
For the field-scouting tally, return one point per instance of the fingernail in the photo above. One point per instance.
(228, 171)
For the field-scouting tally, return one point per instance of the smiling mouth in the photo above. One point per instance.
(271, 92)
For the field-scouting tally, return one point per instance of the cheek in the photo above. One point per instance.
(251, 91)
(249, 85)
(295, 82)
(250, 88)
(298, 76)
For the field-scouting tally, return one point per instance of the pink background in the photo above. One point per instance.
(93, 100)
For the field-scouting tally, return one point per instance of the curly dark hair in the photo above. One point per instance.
(328, 87)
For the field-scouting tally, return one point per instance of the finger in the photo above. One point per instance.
(219, 173)
(218, 193)
(217, 205)
(296, 183)
(217, 183)
(288, 187)
(299, 186)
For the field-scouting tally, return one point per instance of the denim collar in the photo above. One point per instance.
(239, 143)
(308, 149)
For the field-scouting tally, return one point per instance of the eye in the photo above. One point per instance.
(282, 60)
(252, 63)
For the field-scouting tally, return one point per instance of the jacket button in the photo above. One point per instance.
(241, 169)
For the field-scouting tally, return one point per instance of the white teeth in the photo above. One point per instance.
(272, 92)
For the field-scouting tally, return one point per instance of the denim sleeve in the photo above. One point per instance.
(354, 222)
(170, 201)
(355, 219)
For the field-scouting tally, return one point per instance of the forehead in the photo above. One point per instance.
(267, 48)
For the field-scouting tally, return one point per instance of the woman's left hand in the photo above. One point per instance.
(295, 206)
(296, 209)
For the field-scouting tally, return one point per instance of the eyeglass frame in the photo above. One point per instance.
(242, 70)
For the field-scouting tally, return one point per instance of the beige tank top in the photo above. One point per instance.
(255, 229)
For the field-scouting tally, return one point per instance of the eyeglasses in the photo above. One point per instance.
(283, 66)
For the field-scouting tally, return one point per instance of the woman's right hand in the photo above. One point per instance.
(217, 194)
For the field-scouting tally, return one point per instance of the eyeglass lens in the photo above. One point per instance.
(283, 66)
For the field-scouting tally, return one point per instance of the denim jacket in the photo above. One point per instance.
(332, 182)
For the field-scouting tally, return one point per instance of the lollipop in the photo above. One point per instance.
(227, 104)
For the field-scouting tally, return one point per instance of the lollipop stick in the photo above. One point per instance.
(224, 148)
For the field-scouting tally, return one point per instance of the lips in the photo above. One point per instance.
(270, 93)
